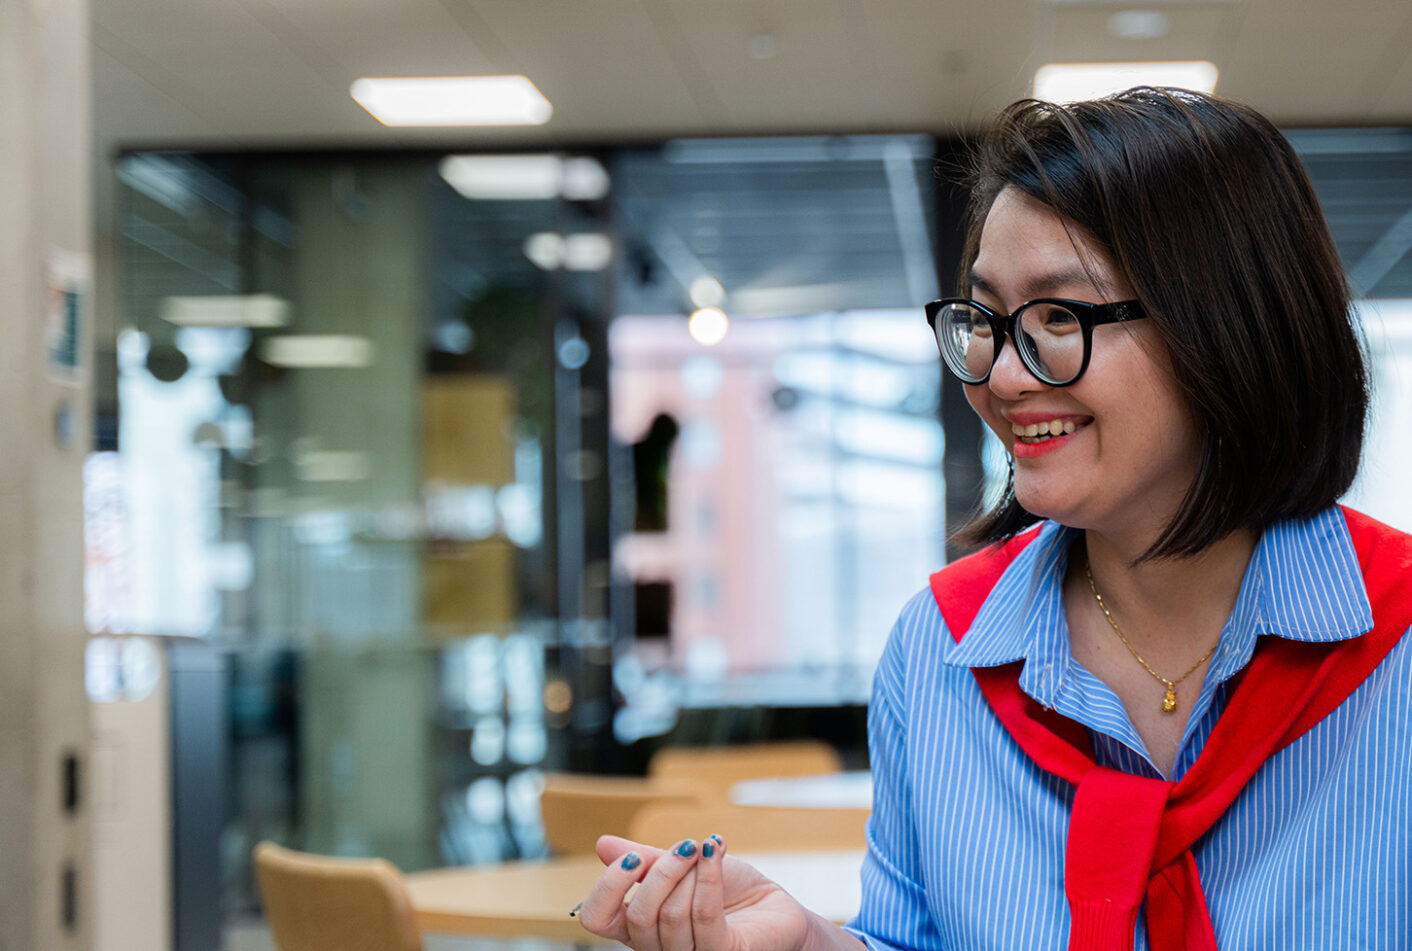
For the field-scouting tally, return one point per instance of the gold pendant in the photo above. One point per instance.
(1169, 702)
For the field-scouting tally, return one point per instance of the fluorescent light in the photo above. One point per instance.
(524, 177)
(706, 291)
(503, 177)
(226, 310)
(585, 179)
(588, 251)
(318, 351)
(327, 465)
(1071, 82)
(708, 326)
(545, 249)
(452, 100)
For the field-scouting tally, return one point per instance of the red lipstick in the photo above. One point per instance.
(1033, 450)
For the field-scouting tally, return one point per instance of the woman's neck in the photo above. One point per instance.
(1168, 612)
(1167, 598)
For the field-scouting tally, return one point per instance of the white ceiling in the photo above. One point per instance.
(225, 74)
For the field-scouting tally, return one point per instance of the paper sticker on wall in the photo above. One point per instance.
(67, 277)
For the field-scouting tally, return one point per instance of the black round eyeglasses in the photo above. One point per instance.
(1053, 337)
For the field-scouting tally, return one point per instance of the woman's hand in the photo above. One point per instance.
(691, 897)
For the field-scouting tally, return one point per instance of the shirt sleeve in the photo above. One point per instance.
(894, 913)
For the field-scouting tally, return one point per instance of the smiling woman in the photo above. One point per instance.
(1133, 451)
(1203, 213)
(1153, 720)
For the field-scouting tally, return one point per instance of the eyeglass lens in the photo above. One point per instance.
(1049, 338)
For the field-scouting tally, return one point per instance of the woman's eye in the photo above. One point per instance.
(1057, 320)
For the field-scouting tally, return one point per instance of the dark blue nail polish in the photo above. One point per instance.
(687, 849)
(631, 861)
(718, 839)
(708, 849)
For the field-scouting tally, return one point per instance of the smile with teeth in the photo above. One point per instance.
(1043, 432)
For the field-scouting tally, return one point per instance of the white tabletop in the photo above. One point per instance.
(849, 790)
(827, 883)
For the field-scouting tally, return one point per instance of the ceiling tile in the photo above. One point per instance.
(1308, 62)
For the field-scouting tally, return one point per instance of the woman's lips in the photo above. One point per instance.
(1037, 436)
(1033, 450)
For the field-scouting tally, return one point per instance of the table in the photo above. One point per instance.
(847, 790)
(533, 899)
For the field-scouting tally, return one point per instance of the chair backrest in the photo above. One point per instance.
(720, 766)
(577, 809)
(321, 903)
(754, 828)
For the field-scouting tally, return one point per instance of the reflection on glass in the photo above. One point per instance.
(805, 497)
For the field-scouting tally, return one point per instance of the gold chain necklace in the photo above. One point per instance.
(1169, 700)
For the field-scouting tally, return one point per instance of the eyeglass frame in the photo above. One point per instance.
(1088, 314)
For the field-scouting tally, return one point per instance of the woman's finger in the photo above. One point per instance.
(611, 848)
(708, 914)
(645, 910)
(603, 912)
(674, 917)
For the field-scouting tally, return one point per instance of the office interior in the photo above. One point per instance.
(363, 475)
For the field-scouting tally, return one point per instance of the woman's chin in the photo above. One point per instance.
(1044, 505)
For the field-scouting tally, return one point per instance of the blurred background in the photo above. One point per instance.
(419, 461)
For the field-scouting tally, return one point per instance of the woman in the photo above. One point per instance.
(1173, 715)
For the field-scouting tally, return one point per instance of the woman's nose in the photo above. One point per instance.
(1009, 377)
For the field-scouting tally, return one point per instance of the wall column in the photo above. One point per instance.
(45, 427)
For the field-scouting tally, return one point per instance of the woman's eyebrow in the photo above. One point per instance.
(1047, 284)
(978, 283)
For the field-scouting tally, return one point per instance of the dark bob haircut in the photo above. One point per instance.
(1206, 210)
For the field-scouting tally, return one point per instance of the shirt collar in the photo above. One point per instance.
(1008, 627)
(1312, 584)
(1303, 583)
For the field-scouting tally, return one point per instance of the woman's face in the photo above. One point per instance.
(1133, 451)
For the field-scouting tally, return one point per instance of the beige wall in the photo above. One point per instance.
(130, 908)
(44, 207)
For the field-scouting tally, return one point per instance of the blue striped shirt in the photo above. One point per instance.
(966, 840)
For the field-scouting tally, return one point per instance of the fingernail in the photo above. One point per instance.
(631, 861)
(719, 840)
(574, 912)
(687, 849)
(708, 849)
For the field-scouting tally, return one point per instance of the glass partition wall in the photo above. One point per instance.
(1364, 181)
(786, 482)
(427, 445)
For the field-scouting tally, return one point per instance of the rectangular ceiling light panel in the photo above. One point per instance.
(233, 310)
(318, 351)
(503, 177)
(521, 177)
(452, 100)
(1071, 82)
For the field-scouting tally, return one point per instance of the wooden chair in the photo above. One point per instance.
(753, 828)
(576, 809)
(721, 766)
(321, 903)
